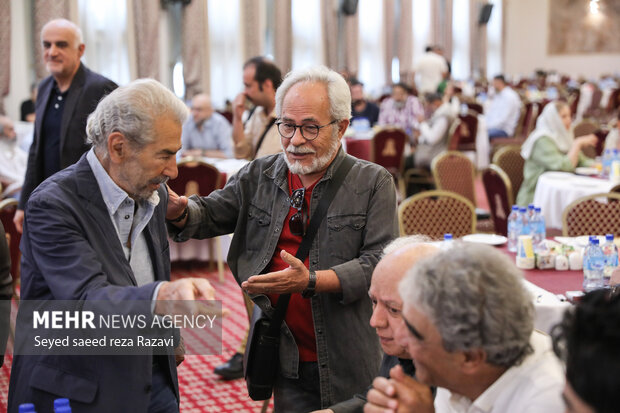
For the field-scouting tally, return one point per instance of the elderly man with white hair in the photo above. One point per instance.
(95, 232)
(327, 350)
(468, 326)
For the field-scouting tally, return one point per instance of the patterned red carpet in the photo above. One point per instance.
(201, 390)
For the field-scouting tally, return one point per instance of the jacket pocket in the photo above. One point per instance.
(346, 235)
(63, 383)
(258, 225)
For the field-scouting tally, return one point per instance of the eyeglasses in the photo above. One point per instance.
(297, 223)
(309, 132)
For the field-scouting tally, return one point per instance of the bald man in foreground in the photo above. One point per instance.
(206, 132)
(399, 256)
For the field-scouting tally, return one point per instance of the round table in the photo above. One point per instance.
(556, 190)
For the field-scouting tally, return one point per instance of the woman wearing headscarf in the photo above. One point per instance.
(551, 147)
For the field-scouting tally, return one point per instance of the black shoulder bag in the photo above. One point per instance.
(263, 357)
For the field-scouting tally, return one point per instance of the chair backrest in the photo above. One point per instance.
(196, 178)
(597, 214)
(360, 148)
(509, 159)
(499, 193)
(453, 171)
(454, 134)
(469, 129)
(387, 148)
(476, 107)
(586, 127)
(519, 129)
(7, 212)
(434, 213)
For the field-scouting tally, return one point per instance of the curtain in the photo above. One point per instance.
(43, 12)
(104, 26)
(329, 19)
(478, 41)
(196, 64)
(5, 39)
(405, 41)
(351, 44)
(283, 35)
(251, 26)
(146, 35)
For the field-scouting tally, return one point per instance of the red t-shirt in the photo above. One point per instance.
(299, 312)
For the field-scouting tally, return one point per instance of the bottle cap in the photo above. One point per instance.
(594, 241)
(515, 207)
(522, 209)
(26, 408)
(609, 237)
(447, 237)
(60, 403)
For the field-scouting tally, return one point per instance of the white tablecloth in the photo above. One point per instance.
(556, 190)
(199, 249)
(549, 308)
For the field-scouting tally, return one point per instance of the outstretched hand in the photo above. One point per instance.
(293, 279)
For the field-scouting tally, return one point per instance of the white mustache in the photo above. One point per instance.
(299, 150)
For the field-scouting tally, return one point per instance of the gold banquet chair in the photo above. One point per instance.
(597, 214)
(509, 159)
(434, 213)
(197, 177)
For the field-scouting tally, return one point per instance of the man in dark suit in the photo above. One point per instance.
(96, 231)
(64, 101)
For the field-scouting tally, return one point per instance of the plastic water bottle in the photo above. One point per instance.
(514, 229)
(525, 222)
(530, 212)
(594, 264)
(539, 229)
(447, 242)
(607, 158)
(26, 408)
(611, 257)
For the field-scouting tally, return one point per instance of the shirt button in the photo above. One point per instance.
(56, 106)
(323, 365)
(276, 230)
(126, 216)
(59, 97)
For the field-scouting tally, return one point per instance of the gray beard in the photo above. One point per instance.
(317, 164)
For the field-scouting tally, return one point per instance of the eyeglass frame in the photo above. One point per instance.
(318, 129)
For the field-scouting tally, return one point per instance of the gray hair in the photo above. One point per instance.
(132, 110)
(475, 297)
(404, 241)
(79, 37)
(338, 91)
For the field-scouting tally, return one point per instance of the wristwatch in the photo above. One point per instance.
(311, 288)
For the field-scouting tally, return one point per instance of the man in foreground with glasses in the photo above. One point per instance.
(468, 326)
(328, 351)
(588, 340)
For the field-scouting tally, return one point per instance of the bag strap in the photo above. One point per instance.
(306, 242)
(262, 137)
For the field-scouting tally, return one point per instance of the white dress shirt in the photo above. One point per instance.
(534, 386)
(504, 111)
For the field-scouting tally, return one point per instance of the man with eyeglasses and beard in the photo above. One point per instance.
(328, 351)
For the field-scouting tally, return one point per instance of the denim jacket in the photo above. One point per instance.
(360, 221)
